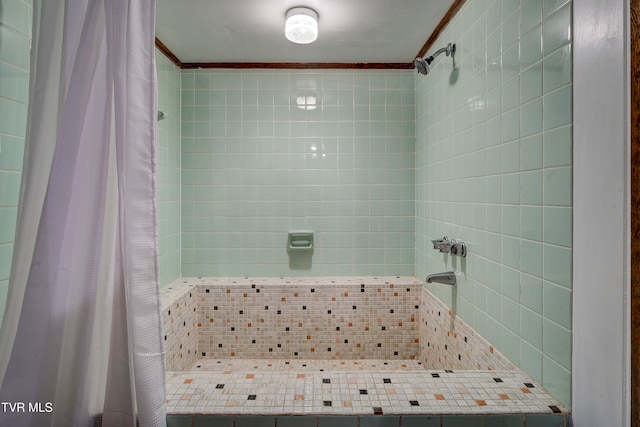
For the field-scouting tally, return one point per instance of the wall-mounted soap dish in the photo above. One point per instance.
(300, 240)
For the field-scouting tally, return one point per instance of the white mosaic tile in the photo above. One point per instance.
(392, 388)
(223, 357)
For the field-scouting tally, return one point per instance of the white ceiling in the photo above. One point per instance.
(350, 31)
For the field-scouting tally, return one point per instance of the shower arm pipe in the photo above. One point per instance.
(449, 49)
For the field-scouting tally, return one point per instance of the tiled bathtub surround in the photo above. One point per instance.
(392, 318)
(494, 169)
(179, 322)
(446, 341)
(350, 383)
(314, 318)
(364, 388)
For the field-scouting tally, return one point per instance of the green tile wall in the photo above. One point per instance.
(264, 152)
(493, 153)
(375, 166)
(168, 169)
(15, 36)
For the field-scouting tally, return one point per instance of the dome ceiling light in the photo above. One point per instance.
(301, 25)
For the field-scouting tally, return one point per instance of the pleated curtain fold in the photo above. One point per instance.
(82, 336)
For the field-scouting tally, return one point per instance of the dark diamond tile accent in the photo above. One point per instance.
(435, 375)
(219, 386)
(326, 381)
(414, 403)
(529, 385)
(386, 380)
(326, 403)
(251, 397)
(555, 409)
(376, 409)
(498, 380)
(364, 392)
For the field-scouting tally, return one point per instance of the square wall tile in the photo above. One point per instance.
(250, 421)
(212, 421)
(383, 421)
(420, 421)
(297, 421)
(324, 421)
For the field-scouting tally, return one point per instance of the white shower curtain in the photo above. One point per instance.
(81, 342)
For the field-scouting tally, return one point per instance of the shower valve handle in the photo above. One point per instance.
(458, 248)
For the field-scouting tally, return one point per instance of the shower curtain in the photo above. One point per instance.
(81, 342)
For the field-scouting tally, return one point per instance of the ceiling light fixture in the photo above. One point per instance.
(301, 25)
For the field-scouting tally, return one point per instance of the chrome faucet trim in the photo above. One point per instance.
(443, 245)
(447, 278)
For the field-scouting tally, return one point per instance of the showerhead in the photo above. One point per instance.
(422, 64)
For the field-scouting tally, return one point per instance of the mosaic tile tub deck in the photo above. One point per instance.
(380, 348)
